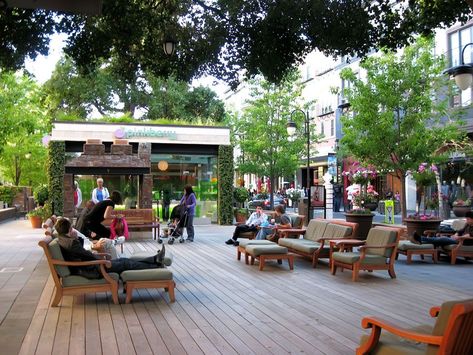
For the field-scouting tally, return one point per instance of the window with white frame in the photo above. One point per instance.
(332, 127)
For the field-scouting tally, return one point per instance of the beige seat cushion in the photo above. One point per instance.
(462, 248)
(379, 237)
(350, 258)
(56, 253)
(257, 250)
(146, 275)
(76, 280)
(315, 229)
(303, 245)
(337, 231)
(244, 243)
(405, 245)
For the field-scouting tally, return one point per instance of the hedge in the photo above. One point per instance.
(56, 162)
(225, 184)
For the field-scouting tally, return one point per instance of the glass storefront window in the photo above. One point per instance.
(171, 172)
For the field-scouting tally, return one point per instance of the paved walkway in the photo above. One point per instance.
(222, 305)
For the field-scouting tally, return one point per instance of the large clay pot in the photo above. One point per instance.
(36, 221)
(419, 225)
(460, 211)
(372, 206)
(365, 221)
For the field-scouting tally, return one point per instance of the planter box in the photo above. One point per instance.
(365, 221)
(419, 226)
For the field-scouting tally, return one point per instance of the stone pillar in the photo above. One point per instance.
(328, 195)
(144, 151)
(69, 209)
(146, 192)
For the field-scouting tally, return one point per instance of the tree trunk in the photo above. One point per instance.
(403, 197)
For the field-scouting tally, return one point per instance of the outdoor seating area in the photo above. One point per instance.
(221, 305)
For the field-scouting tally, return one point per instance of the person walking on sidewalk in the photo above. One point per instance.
(190, 202)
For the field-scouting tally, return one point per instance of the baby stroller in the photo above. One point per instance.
(178, 222)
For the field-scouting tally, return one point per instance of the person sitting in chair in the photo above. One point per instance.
(251, 225)
(440, 241)
(282, 221)
(72, 250)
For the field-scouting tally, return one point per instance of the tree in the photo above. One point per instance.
(72, 94)
(396, 125)
(224, 37)
(261, 130)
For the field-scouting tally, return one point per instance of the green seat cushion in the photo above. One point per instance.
(244, 243)
(56, 253)
(315, 229)
(405, 245)
(380, 237)
(144, 254)
(462, 248)
(350, 258)
(257, 250)
(302, 245)
(337, 231)
(146, 275)
(76, 280)
(296, 221)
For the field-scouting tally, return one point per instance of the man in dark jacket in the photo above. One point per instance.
(72, 250)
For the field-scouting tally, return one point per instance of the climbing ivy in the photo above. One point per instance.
(225, 184)
(56, 162)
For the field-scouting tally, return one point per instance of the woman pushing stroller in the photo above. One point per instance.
(189, 201)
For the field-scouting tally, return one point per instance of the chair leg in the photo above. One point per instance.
(356, 270)
(290, 261)
(422, 256)
(315, 260)
(279, 261)
(409, 257)
(246, 259)
(172, 297)
(391, 272)
(252, 260)
(129, 294)
(238, 254)
(435, 256)
(453, 258)
(261, 263)
(334, 268)
(115, 294)
(57, 297)
(397, 256)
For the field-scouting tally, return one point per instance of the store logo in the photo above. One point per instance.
(122, 133)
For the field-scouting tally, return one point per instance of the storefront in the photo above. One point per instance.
(149, 164)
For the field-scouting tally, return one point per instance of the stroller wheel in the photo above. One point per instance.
(181, 240)
(171, 241)
(160, 241)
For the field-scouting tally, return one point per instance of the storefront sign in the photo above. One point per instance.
(332, 165)
(123, 133)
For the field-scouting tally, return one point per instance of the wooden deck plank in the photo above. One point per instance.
(222, 305)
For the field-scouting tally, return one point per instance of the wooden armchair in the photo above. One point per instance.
(450, 335)
(378, 253)
(67, 284)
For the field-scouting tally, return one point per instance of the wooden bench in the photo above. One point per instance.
(139, 219)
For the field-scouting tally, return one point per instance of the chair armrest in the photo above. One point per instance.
(392, 245)
(107, 263)
(434, 311)
(377, 324)
(462, 239)
(285, 232)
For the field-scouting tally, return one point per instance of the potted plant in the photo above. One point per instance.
(41, 195)
(294, 195)
(38, 215)
(241, 215)
(461, 206)
(425, 220)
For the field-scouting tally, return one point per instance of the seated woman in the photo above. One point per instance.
(72, 250)
(101, 211)
(282, 221)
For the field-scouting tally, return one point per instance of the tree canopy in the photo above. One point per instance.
(396, 125)
(260, 131)
(222, 37)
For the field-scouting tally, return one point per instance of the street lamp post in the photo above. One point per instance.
(291, 130)
(463, 74)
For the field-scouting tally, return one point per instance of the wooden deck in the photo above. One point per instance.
(222, 305)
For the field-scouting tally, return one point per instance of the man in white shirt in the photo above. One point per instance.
(251, 225)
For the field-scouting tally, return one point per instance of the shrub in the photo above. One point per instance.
(41, 194)
(7, 194)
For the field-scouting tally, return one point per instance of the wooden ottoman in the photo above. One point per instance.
(408, 248)
(149, 278)
(244, 243)
(265, 252)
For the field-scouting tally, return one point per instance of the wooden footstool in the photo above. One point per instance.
(408, 248)
(149, 278)
(244, 243)
(268, 252)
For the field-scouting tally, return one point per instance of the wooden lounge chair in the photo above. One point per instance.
(67, 284)
(378, 253)
(452, 333)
